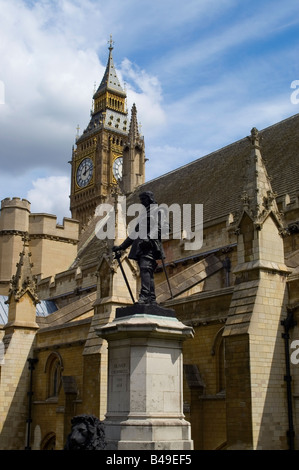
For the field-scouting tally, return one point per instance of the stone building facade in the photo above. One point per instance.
(238, 290)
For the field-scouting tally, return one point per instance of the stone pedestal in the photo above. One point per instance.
(145, 398)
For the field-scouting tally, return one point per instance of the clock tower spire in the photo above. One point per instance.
(97, 159)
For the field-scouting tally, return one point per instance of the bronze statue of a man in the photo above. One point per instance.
(148, 249)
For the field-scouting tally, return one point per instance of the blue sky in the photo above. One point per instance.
(201, 72)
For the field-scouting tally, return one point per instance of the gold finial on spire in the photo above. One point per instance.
(111, 43)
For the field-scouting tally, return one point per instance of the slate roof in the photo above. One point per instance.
(217, 180)
(90, 248)
(110, 80)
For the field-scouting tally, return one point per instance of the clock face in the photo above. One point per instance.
(84, 172)
(118, 168)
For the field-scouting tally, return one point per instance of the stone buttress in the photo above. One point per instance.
(255, 396)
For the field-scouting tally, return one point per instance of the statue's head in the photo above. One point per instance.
(147, 198)
(87, 434)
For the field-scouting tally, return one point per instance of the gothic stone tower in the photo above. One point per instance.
(19, 334)
(133, 156)
(97, 161)
(254, 354)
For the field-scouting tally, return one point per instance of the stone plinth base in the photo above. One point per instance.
(145, 398)
(148, 434)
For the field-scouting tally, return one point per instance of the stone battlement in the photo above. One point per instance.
(14, 214)
(15, 202)
(46, 224)
(53, 246)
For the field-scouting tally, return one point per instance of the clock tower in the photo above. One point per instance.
(97, 160)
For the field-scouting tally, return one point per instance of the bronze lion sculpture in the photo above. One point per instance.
(87, 434)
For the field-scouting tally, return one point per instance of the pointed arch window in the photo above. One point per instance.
(53, 369)
(218, 350)
(49, 442)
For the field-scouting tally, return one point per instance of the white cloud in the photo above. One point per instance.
(48, 73)
(145, 91)
(50, 195)
(48, 65)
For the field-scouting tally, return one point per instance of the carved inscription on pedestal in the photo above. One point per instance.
(120, 372)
